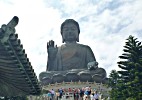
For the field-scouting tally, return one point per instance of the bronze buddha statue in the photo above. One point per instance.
(71, 61)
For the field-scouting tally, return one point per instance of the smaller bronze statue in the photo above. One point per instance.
(72, 61)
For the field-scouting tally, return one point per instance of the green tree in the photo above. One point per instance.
(131, 66)
(113, 78)
(113, 83)
(129, 82)
(117, 86)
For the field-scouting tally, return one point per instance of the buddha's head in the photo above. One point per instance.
(70, 31)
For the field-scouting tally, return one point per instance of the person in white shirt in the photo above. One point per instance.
(52, 94)
(96, 96)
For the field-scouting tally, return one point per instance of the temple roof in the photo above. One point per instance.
(17, 77)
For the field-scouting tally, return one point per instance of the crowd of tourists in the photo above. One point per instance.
(84, 93)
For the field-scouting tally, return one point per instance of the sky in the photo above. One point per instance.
(105, 25)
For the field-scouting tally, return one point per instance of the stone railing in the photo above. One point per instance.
(65, 85)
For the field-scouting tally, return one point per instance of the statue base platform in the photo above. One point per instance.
(74, 75)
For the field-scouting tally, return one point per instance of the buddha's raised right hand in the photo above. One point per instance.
(51, 50)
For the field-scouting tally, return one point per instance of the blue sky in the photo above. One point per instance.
(105, 25)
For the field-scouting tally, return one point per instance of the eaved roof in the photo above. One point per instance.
(17, 77)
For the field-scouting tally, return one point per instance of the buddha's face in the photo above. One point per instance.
(70, 32)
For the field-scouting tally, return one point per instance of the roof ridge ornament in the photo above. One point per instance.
(8, 29)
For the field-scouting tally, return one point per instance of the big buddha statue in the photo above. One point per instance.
(71, 61)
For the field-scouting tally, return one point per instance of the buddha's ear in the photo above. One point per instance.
(77, 39)
(63, 40)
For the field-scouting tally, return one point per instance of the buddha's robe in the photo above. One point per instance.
(72, 56)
